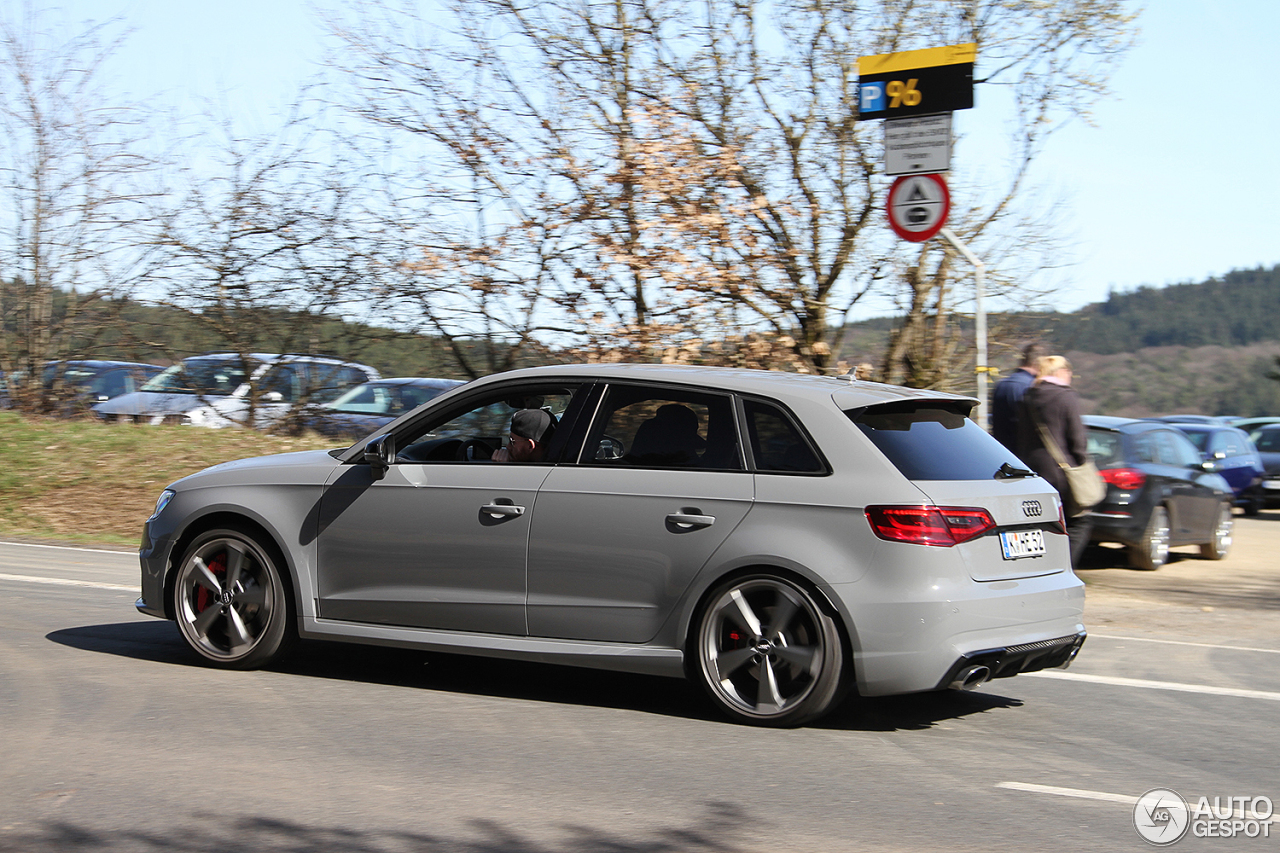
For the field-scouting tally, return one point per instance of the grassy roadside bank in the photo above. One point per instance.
(89, 482)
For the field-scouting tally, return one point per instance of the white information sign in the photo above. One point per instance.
(917, 146)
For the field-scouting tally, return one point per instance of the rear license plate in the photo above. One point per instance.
(1017, 544)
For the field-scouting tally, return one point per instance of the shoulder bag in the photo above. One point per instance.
(1083, 481)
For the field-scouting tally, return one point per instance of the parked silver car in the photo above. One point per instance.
(229, 389)
(777, 538)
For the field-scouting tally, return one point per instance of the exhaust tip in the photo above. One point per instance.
(970, 677)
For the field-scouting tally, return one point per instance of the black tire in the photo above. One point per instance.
(1253, 507)
(1217, 547)
(231, 602)
(1153, 551)
(767, 653)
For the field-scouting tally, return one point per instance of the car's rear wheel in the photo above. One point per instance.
(1217, 547)
(231, 603)
(767, 653)
(1153, 551)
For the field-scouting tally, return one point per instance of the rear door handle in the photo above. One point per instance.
(502, 510)
(688, 521)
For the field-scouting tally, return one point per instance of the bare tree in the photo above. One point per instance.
(691, 181)
(263, 245)
(69, 176)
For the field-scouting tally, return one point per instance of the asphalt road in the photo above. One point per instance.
(113, 737)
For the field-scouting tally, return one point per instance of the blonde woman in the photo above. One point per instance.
(1053, 403)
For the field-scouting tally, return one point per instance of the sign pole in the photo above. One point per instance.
(980, 319)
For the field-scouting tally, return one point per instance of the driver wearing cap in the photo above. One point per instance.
(531, 430)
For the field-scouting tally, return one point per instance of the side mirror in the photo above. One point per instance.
(380, 453)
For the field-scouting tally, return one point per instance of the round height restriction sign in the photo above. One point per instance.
(918, 206)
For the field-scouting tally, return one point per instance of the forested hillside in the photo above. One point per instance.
(1241, 308)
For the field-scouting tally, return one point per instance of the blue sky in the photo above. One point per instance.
(1174, 183)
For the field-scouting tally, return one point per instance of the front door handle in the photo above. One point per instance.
(690, 520)
(502, 510)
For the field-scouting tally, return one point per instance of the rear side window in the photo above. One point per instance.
(646, 427)
(776, 443)
(933, 441)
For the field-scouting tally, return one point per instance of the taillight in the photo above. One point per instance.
(929, 525)
(1124, 479)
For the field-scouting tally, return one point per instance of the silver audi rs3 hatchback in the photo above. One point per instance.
(780, 539)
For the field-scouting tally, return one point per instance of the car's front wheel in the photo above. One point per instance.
(1217, 547)
(767, 653)
(231, 603)
(1153, 551)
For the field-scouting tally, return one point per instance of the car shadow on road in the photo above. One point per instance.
(716, 827)
(159, 642)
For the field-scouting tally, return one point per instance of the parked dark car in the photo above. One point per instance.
(365, 408)
(1160, 491)
(77, 384)
(1251, 424)
(1234, 457)
(1267, 441)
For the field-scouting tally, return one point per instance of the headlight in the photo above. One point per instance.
(162, 502)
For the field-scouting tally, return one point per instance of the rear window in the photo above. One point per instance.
(932, 441)
(1106, 448)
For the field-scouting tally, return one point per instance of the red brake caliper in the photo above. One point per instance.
(219, 567)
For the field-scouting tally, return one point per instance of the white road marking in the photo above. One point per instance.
(1069, 792)
(1183, 643)
(1156, 685)
(68, 582)
(66, 548)
(1082, 794)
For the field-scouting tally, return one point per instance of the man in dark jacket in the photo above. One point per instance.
(1052, 402)
(1007, 397)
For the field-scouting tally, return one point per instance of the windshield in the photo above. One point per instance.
(365, 399)
(216, 377)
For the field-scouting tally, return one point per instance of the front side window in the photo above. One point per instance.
(474, 429)
(643, 427)
(284, 380)
(214, 377)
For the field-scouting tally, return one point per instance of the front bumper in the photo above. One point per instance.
(153, 558)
